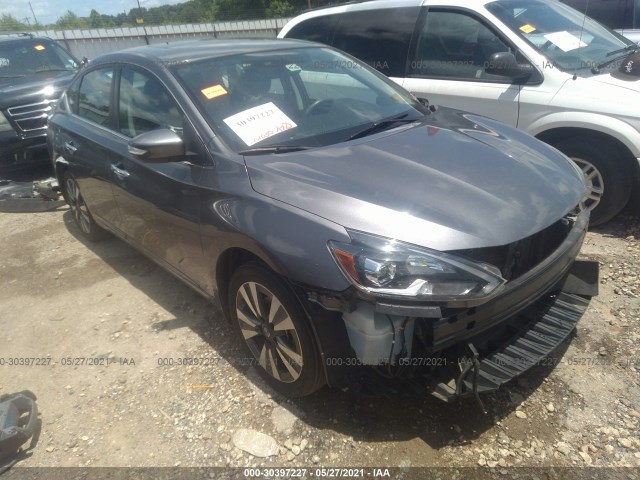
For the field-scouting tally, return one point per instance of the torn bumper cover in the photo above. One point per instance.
(535, 333)
(454, 352)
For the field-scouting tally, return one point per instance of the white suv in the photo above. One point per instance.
(535, 64)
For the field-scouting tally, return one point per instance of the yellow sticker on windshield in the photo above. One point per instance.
(39, 47)
(214, 91)
(528, 28)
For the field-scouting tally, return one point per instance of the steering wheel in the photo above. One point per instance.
(317, 107)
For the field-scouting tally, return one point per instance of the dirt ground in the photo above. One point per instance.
(112, 328)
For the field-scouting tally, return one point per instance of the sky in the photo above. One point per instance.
(48, 11)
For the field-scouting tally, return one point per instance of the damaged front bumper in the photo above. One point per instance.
(22, 151)
(453, 352)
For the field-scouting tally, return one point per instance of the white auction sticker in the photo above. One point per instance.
(259, 123)
(565, 41)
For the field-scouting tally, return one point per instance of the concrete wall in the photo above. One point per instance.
(93, 42)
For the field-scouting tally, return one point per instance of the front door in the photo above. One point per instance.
(159, 202)
(447, 65)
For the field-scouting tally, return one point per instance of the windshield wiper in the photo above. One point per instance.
(625, 50)
(12, 76)
(622, 50)
(381, 124)
(273, 149)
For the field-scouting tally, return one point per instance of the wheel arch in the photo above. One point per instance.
(553, 135)
(327, 327)
(228, 262)
(61, 166)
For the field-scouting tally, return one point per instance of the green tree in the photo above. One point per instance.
(70, 20)
(208, 9)
(9, 23)
(279, 9)
(240, 9)
(95, 19)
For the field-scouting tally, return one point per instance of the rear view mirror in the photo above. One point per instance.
(157, 146)
(506, 65)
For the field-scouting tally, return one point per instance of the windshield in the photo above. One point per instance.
(569, 39)
(21, 58)
(301, 97)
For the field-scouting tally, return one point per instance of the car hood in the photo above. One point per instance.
(621, 82)
(452, 181)
(33, 88)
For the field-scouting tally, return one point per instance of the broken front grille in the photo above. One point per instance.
(516, 259)
(31, 118)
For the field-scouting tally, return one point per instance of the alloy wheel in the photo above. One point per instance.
(269, 332)
(78, 207)
(594, 182)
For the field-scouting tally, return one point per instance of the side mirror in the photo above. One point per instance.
(631, 65)
(159, 145)
(505, 64)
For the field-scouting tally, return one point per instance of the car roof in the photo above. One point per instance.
(378, 4)
(23, 37)
(201, 49)
(375, 4)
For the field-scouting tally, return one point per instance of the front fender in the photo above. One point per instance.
(291, 241)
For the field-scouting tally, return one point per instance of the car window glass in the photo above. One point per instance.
(95, 96)
(303, 96)
(455, 45)
(33, 57)
(145, 105)
(72, 96)
(326, 82)
(379, 37)
(318, 29)
(571, 41)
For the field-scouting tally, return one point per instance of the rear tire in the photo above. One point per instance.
(608, 176)
(275, 331)
(81, 214)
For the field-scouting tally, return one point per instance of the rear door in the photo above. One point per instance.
(85, 138)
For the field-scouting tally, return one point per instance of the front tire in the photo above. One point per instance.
(275, 330)
(608, 177)
(81, 215)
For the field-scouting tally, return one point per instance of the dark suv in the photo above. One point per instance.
(33, 73)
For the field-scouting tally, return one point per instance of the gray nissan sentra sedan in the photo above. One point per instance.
(351, 232)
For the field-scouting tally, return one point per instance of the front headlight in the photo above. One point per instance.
(5, 126)
(386, 267)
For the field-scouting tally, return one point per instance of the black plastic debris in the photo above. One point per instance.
(37, 196)
(18, 424)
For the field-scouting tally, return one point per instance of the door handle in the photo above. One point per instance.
(70, 147)
(120, 172)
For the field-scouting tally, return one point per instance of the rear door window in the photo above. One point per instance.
(317, 29)
(379, 37)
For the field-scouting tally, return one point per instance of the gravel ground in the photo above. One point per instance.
(131, 404)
